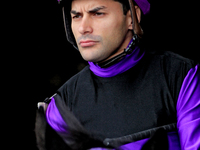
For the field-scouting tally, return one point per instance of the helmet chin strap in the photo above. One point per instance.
(126, 51)
(136, 26)
(137, 35)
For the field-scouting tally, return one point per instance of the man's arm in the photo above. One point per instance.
(188, 111)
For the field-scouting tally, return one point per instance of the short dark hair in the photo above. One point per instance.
(125, 5)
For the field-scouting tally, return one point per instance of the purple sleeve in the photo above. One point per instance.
(54, 118)
(188, 111)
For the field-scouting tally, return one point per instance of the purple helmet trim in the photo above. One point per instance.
(143, 4)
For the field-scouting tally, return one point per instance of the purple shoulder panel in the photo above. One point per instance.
(188, 111)
(54, 118)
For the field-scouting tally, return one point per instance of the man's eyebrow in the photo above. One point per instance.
(90, 11)
(96, 9)
(74, 12)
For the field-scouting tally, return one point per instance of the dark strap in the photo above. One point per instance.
(116, 142)
(136, 26)
(128, 50)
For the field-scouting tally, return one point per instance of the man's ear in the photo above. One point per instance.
(128, 15)
(129, 20)
(138, 13)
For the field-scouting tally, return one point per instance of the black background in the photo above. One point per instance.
(38, 59)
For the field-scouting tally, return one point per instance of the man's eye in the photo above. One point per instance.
(76, 17)
(99, 14)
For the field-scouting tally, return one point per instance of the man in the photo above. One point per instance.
(126, 93)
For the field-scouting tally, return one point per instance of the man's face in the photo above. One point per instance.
(100, 28)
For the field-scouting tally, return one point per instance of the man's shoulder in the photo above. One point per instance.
(177, 57)
(81, 76)
(172, 65)
(172, 59)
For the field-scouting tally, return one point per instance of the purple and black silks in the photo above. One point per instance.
(77, 138)
(181, 134)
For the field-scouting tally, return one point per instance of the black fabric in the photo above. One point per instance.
(158, 142)
(139, 99)
(116, 142)
(78, 139)
(46, 137)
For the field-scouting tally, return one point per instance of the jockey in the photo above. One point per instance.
(126, 93)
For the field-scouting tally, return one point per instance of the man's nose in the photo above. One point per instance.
(85, 26)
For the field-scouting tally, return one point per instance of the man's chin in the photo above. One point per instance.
(91, 59)
(90, 55)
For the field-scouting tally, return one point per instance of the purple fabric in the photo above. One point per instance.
(54, 118)
(172, 138)
(188, 111)
(125, 64)
(134, 145)
(188, 116)
(144, 5)
(58, 124)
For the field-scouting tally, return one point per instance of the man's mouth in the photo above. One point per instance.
(87, 43)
